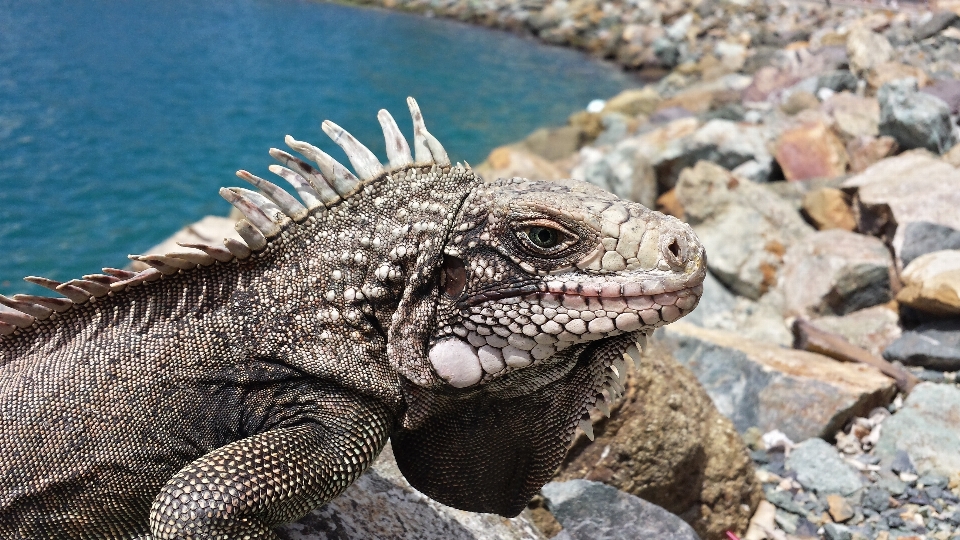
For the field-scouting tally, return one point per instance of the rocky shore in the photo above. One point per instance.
(815, 150)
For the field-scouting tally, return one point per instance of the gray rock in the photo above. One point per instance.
(615, 128)
(835, 272)
(922, 237)
(744, 226)
(873, 328)
(933, 345)
(716, 304)
(757, 384)
(838, 81)
(594, 511)
(832, 531)
(820, 468)
(937, 23)
(382, 505)
(624, 171)
(927, 428)
(913, 118)
(876, 499)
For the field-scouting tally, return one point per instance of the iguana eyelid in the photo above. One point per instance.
(568, 238)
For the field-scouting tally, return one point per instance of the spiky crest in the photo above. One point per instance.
(266, 214)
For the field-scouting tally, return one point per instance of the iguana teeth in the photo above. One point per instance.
(29, 308)
(255, 216)
(156, 262)
(333, 173)
(221, 254)
(92, 288)
(427, 148)
(287, 204)
(634, 353)
(238, 249)
(587, 427)
(251, 235)
(398, 151)
(366, 165)
(56, 304)
(201, 259)
(122, 274)
(314, 194)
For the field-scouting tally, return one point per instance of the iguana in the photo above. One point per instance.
(230, 388)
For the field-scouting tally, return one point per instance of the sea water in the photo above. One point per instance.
(119, 120)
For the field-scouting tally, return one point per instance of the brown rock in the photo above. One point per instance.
(668, 204)
(839, 507)
(829, 208)
(766, 82)
(892, 71)
(811, 151)
(666, 443)
(695, 101)
(556, 143)
(758, 384)
(872, 328)
(865, 151)
(799, 101)
(591, 124)
(634, 101)
(931, 283)
(515, 160)
(867, 49)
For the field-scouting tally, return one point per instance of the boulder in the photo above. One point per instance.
(865, 151)
(835, 272)
(867, 49)
(873, 328)
(209, 230)
(913, 118)
(555, 143)
(829, 208)
(381, 504)
(922, 237)
(853, 116)
(914, 186)
(745, 228)
(932, 345)
(936, 24)
(726, 143)
(753, 383)
(634, 101)
(931, 283)
(768, 83)
(821, 469)
(894, 71)
(811, 150)
(926, 429)
(624, 171)
(666, 443)
(591, 510)
(516, 160)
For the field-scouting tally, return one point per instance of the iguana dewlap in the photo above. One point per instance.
(231, 388)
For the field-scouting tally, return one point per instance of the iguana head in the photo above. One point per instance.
(541, 289)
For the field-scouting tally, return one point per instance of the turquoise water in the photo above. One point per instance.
(119, 120)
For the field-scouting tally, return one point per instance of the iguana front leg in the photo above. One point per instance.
(242, 489)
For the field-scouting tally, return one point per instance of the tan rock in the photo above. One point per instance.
(634, 101)
(591, 124)
(763, 520)
(767, 81)
(666, 443)
(799, 101)
(515, 160)
(892, 71)
(853, 116)
(829, 208)
(668, 204)
(694, 101)
(913, 186)
(952, 156)
(932, 283)
(758, 384)
(873, 328)
(556, 143)
(867, 49)
(865, 151)
(839, 508)
(811, 151)
(209, 230)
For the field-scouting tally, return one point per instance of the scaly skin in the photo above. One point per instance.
(226, 391)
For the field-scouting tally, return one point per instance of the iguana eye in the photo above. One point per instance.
(545, 238)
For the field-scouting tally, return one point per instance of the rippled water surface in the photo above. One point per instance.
(120, 120)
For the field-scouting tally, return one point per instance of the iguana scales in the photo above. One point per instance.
(234, 387)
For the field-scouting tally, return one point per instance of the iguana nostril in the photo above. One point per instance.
(674, 248)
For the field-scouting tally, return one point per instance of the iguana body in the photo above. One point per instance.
(233, 388)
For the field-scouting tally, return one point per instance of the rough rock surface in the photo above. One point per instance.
(382, 505)
(829, 208)
(921, 237)
(755, 384)
(591, 510)
(915, 119)
(873, 328)
(811, 150)
(933, 345)
(624, 171)
(820, 468)
(666, 443)
(835, 272)
(926, 428)
(867, 49)
(932, 283)
(745, 227)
